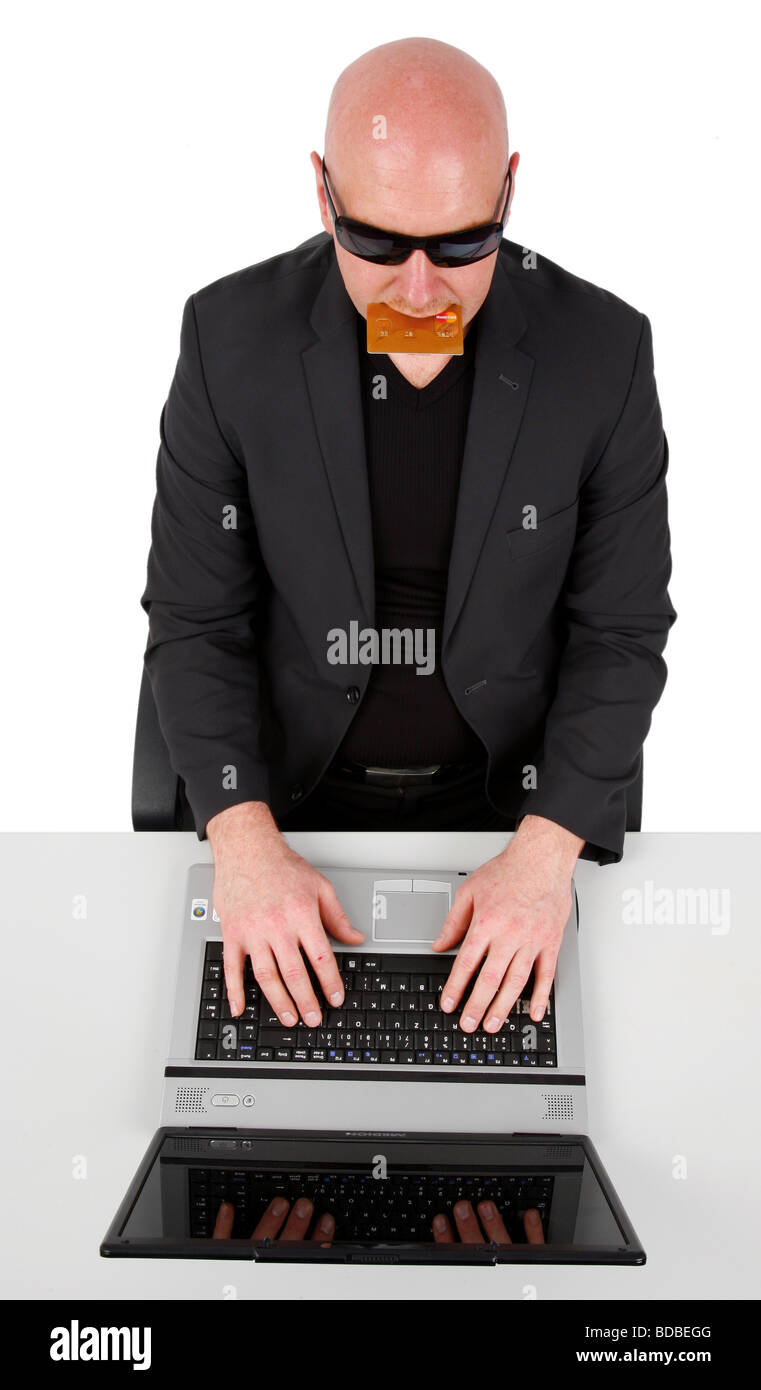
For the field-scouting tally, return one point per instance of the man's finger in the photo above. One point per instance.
(293, 972)
(456, 923)
(442, 1230)
(267, 975)
(466, 1221)
(532, 1222)
(320, 953)
(493, 1224)
(233, 957)
(544, 974)
(466, 962)
(486, 988)
(333, 916)
(271, 1219)
(223, 1226)
(325, 1228)
(518, 972)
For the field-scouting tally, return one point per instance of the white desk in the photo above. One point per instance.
(86, 1020)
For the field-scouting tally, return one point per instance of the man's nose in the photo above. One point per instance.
(417, 281)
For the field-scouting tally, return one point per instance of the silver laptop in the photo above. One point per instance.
(387, 1098)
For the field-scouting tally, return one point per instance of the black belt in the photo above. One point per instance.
(399, 776)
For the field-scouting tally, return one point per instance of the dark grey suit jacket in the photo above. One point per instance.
(553, 635)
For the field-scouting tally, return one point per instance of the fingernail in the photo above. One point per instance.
(235, 1007)
(439, 1223)
(492, 1023)
(336, 997)
(468, 1023)
(303, 1207)
(537, 1013)
(313, 1020)
(447, 1002)
(462, 1210)
(533, 1217)
(288, 1019)
(487, 1210)
(279, 1206)
(325, 1222)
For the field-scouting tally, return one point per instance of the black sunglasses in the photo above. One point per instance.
(391, 248)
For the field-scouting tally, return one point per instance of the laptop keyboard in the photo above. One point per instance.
(401, 1207)
(391, 1015)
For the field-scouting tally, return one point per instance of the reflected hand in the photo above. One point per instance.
(469, 1230)
(272, 1219)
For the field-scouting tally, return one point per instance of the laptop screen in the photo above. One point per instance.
(411, 1198)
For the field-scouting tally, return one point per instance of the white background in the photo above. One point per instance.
(150, 149)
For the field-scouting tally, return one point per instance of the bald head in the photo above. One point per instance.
(416, 130)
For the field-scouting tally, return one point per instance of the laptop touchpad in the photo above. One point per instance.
(404, 915)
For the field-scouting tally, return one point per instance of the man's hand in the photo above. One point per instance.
(469, 1230)
(295, 1227)
(272, 904)
(512, 912)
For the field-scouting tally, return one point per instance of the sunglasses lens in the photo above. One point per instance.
(454, 253)
(382, 250)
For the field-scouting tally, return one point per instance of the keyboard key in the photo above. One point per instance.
(278, 1037)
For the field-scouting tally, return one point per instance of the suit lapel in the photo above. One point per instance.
(501, 383)
(332, 371)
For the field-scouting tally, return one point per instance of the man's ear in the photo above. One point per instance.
(514, 166)
(316, 163)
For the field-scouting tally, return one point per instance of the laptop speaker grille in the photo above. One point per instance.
(191, 1146)
(558, 1107)
(190, 1100)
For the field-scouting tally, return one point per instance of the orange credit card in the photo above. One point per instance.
(390, 331)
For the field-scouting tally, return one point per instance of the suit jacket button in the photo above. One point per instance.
(352, 694)
(297, 793)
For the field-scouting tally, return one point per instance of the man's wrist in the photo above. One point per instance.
(547, 837)
(246, 818)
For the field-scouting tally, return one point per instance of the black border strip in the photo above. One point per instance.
(342, 1072)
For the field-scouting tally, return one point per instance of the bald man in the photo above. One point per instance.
(505, 506)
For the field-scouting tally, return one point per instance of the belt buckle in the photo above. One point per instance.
(401, 776)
